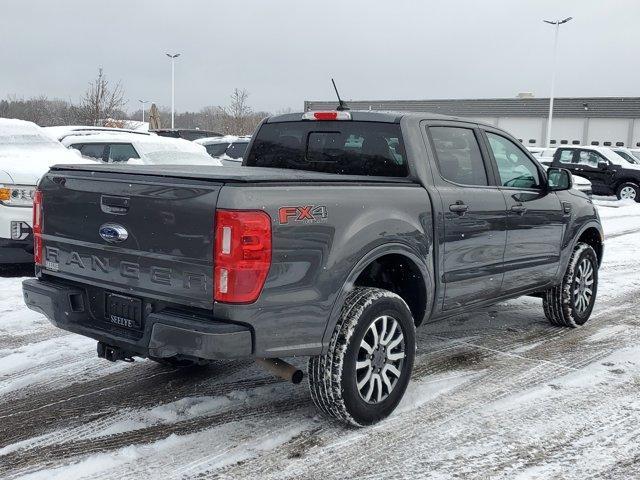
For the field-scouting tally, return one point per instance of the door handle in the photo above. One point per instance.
(519, 209)
(459, 208)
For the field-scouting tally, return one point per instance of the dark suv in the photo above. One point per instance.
(609, 173)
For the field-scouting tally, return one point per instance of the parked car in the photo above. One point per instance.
(121, 147)
(536, 151)
(609, 173)
(26, 153)
(61, 132)
(546, 155)
(342, 232)
(186, 133)
(627, 154)
(636, 153)
(229, 149)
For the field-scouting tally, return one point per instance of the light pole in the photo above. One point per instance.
(173, 85)
(557, 23)
(143, 102)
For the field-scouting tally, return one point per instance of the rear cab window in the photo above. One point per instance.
(458, 155)
(342, 147)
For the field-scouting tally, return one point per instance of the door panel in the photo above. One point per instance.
(535, 225)
(535, 218)
(473, 228)
(474, 245)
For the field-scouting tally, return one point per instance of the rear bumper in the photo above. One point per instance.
(16, 251)
(165, 334)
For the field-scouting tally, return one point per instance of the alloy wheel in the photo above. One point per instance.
(380, 358)
(628, 193)
(583, 286)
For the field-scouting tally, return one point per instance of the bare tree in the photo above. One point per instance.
(101, 101)
(238, 114)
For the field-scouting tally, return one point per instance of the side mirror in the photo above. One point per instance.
(602, 165)
(559, 179)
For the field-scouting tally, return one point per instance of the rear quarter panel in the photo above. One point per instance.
(314, 260)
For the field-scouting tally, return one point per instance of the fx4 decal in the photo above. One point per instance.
(302, 213)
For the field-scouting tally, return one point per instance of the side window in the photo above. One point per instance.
(458, 155)
(566, 156)
(589, 158)
(216, 149)
(236, 150)
(121, 152)
(516, 169)
(93, 150)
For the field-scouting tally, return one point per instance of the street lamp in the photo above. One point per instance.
(557, 23)
(173, 85)
(143, 102)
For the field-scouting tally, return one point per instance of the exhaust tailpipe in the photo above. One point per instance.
(281, 369)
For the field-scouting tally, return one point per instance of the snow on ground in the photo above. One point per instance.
(497, 393)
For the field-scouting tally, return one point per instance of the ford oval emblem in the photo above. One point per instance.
(112, 232)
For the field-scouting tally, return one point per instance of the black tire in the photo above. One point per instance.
(334, 377)
(562, 305)
(628, 190)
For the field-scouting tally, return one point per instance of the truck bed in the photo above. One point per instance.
(228, 174)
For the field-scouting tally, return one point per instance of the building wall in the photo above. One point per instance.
(570, 130)
(613, 130)
(529, 130)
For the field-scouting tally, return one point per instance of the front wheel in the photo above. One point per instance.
(570, 304)
(628, 191)
(363, 376)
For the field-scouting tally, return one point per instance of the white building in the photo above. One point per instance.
(604, 121)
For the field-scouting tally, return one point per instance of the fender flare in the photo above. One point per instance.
(380, 251)
(576, 237)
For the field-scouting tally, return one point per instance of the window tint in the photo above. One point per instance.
(595, 143)
(93, 150)
(458, 154)
(552, 142)
(344, 147)
(589, 158)
(575, 142)
(564, 142)
(216, 149)
(516, 169)
(607, 144)
(619, 144)
(566, 156)
(121, 152)
(236, 150)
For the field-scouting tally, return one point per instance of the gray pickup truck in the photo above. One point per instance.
(341, 233)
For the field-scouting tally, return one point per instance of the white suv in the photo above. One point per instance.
(133, 148)
(26, 153)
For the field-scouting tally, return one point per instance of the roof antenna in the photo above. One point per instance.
(341, 105)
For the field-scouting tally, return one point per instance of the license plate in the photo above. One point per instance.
(124, 311)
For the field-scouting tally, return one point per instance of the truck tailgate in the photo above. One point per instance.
(143, 236)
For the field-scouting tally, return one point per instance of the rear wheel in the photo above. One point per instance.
(628, 191)
(363, 376)
(570, 304)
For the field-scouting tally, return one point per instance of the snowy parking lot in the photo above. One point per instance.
(497, 393)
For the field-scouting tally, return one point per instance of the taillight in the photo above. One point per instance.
(330, 115)
(37, 227)
(242, 255)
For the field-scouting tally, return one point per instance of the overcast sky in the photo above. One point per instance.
(284, 51)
